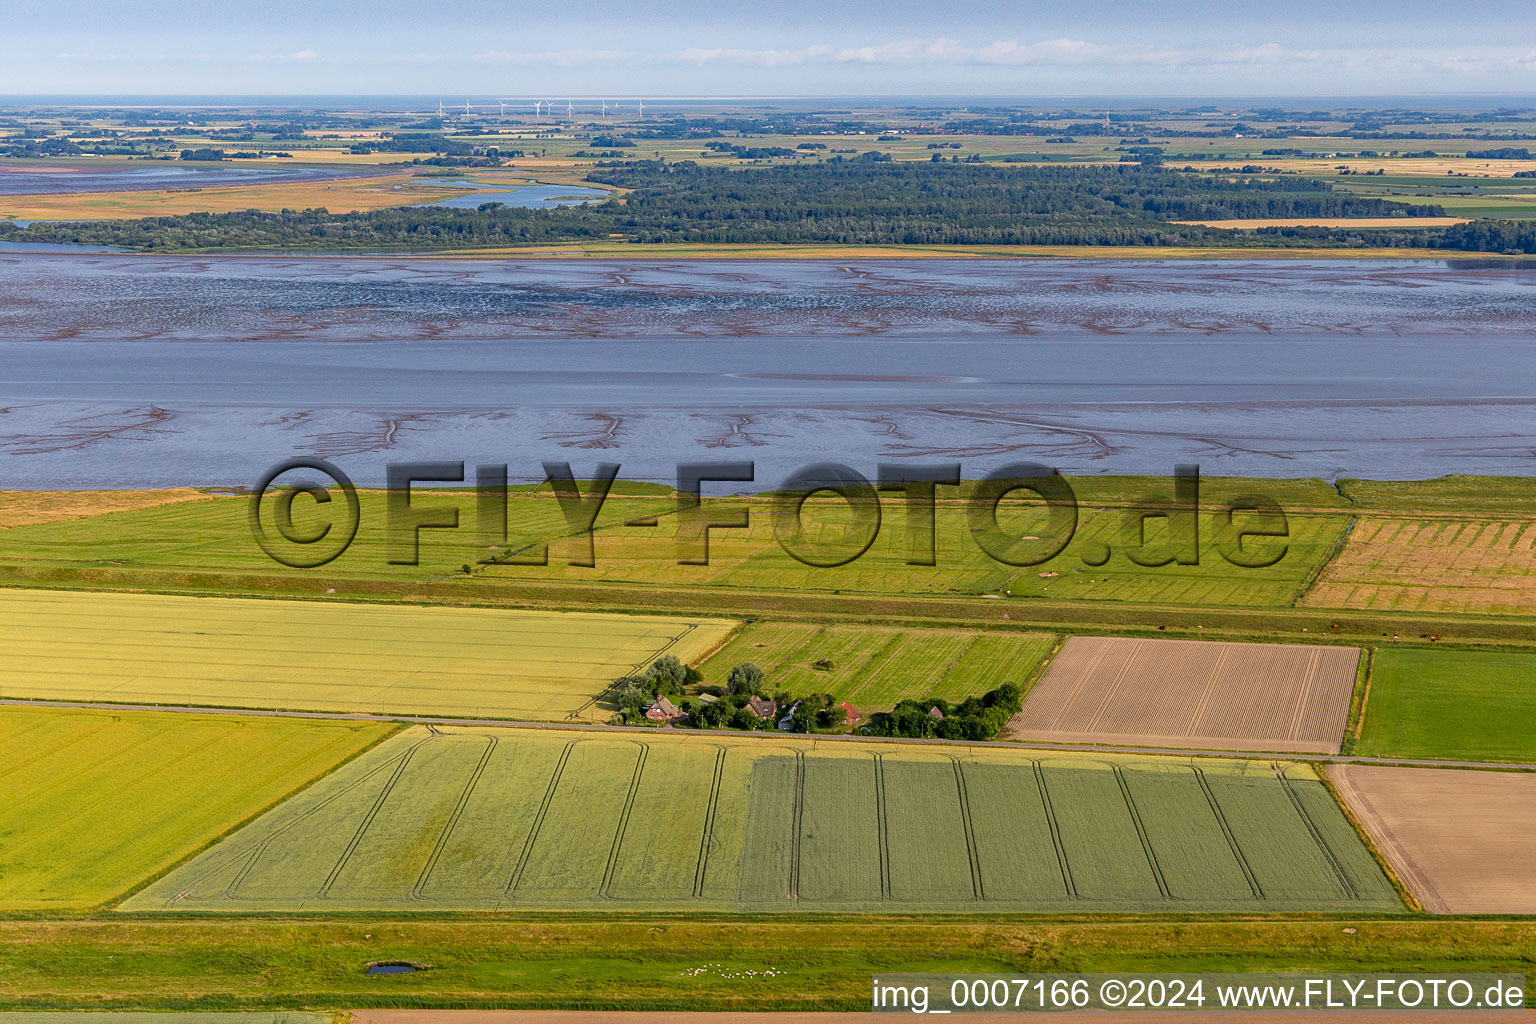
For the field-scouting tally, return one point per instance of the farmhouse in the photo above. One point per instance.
(762, 707)
(664, 711)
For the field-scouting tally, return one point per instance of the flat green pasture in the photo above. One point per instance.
(754, 558)
(496, 819)
(98, 801)
(329, 656)
(216, 537)
(661, 963)
(874, 667)
(180, 542)
(1451, 705)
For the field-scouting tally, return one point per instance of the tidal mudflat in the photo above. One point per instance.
(126, 370)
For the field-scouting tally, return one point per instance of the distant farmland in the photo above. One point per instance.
(508, 819)
(873, 668)
(98, 801)
(322, 656)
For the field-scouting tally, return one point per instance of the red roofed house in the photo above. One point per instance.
(664, 711)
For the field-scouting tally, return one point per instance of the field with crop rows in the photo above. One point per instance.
(1436, 565)
(873, 667)
(1192, 694)
(98, 801)
(327, 656)
(1431, 702)
(508, 819)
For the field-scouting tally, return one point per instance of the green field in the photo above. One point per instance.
(658, 962)
(329, 656)
(215, 536)
(1452, 705)
(873, 668)
(752, 559)
(183, 544)
(96, 801)
(509, 819)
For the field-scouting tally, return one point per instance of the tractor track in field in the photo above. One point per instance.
(508, 723)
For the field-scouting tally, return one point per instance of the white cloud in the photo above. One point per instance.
(297, 57)
(559, 58)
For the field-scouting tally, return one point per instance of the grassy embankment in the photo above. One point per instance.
(663, 962)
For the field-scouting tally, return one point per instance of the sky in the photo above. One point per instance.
(641, 48)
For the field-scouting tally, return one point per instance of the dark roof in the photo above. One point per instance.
(761, 707)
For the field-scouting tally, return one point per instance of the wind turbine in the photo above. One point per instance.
(466, 108)
(536, 105)
(503, 107)
(642, 108)
(569, 113)
(605, 108)
(439, 108)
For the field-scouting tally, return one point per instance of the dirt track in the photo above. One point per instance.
(1192, 693)
(1464, 842)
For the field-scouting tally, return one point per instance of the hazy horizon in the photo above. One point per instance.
(980, 48)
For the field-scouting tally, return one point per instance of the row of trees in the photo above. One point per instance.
(975, 718)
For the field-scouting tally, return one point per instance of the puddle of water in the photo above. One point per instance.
(393, 968)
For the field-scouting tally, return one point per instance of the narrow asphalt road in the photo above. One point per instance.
(588, 727)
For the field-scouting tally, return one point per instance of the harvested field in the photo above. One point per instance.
(1192, 693)
(1464, 842)
(873, 668)
(1453, 705)
(323, 656)
(1432, 565)
(97, 802)
(515, 818)
(29, 508)
(345, 195)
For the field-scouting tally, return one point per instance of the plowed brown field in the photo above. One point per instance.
(1464, 842)
(1440, 565)
(1192, 694)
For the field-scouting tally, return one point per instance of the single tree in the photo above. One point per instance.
(668, 674)
(745, 678)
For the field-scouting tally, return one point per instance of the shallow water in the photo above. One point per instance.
(132, 370)
(529, 197)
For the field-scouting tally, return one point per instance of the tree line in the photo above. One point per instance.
(846, 202)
